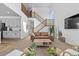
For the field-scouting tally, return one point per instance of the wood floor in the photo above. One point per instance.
(21, 44)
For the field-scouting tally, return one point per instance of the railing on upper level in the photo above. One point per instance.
(29, 13)
(26, 11)
(38, 17)
(40, 26)
(44, 23)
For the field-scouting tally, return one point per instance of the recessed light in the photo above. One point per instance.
(8, 12)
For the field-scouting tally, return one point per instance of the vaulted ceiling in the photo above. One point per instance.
(6, 11)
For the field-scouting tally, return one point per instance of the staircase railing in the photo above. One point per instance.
(29, 13)
(38, 17)
(44, 23)
(40, 26)
(26, 11)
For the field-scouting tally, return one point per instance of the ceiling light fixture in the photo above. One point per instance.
(8, 12)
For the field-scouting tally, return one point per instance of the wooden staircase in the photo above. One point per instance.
(38, 17)
(29, 13)
(26, 11)
(40, 26)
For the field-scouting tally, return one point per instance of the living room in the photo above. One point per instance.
(42, 29)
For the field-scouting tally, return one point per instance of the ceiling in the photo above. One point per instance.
(5, 11)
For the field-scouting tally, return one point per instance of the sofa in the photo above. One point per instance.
(41, 35)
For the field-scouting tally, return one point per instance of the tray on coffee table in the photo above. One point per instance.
(42, 42)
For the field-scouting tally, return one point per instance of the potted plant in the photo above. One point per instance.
(52, 51)
(52, 30)
(31, 51)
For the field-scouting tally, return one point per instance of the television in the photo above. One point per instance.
(72, 22)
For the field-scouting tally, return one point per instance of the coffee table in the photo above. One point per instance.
(42, 42)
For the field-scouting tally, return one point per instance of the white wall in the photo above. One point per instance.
(17, 8)
(36, 22)
(45, 29)
(62, 11)
(5, 11)
(42, 11)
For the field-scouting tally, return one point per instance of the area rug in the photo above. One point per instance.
(5, 46)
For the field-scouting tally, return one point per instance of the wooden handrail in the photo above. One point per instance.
(44, 22)
(37, 15)
(26, 11)
(29, 13)
(40, 28)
